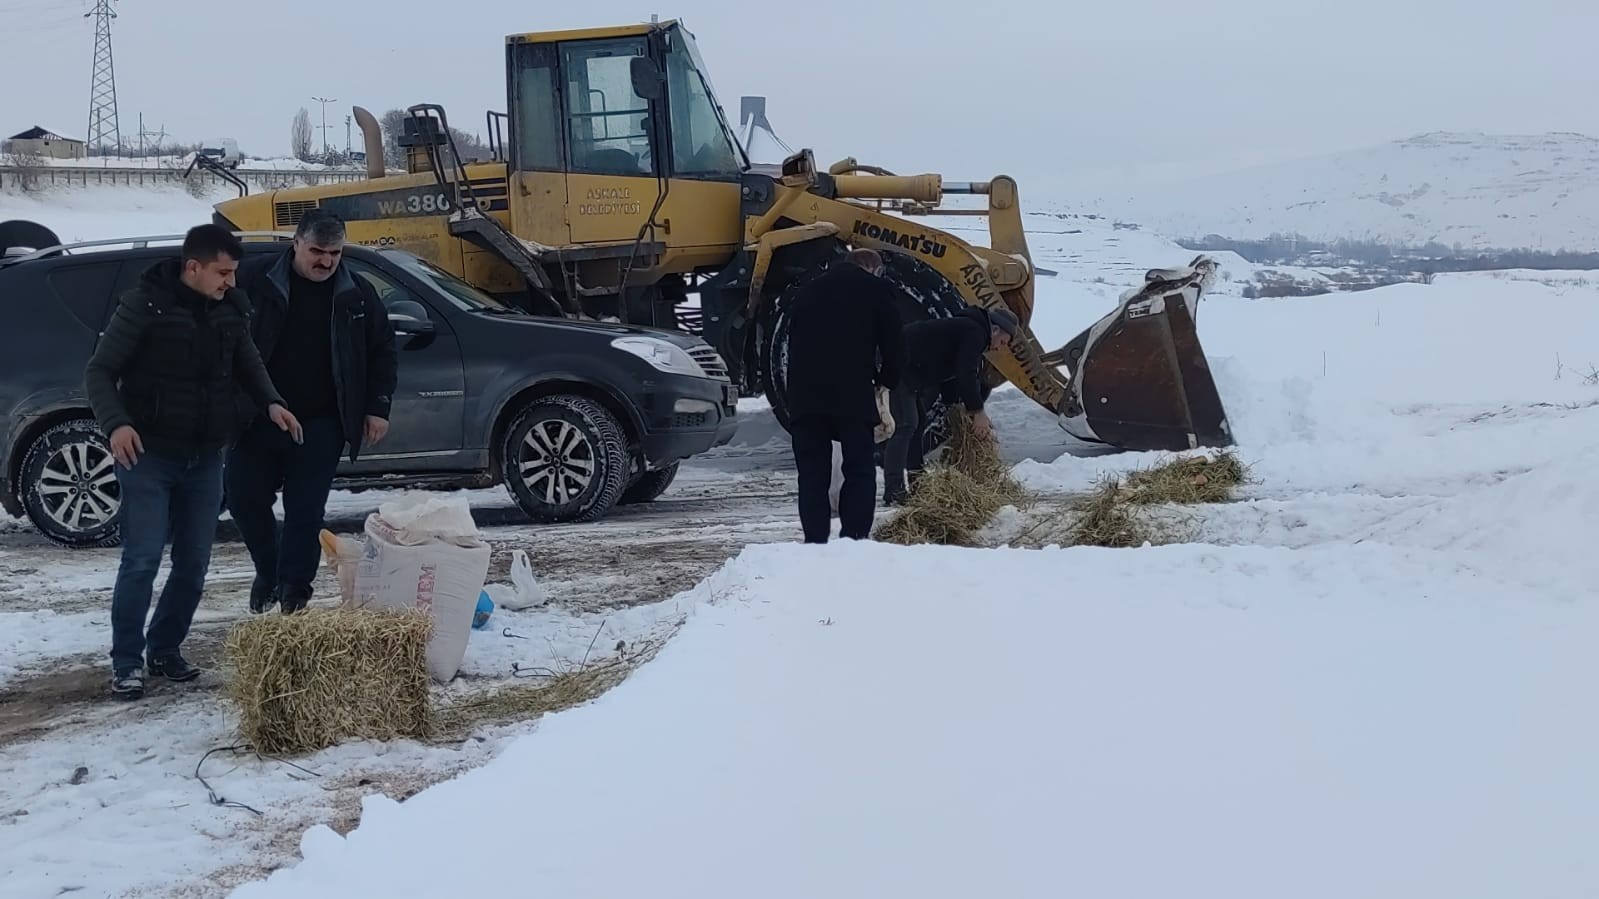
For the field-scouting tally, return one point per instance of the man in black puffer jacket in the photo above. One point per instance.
(328, 343)
(163, 384)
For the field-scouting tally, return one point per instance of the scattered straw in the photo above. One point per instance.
(1146, 508)
(552, 691)
(308, 681)
(1104, 519)
(1198, 479)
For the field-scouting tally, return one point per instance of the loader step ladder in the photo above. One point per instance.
(428, 131)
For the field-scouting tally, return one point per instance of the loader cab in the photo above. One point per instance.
(604, 124)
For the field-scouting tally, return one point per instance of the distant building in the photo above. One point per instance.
(37, 141)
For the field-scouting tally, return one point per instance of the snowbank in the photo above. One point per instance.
(869, 720)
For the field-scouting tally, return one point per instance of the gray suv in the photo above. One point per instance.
(572, 417)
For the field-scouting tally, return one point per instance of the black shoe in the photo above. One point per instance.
(128, 683)
(894, 493)
(291, 600)
(174, 668)
(263, 596)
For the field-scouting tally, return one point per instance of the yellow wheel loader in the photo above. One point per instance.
(616, 190)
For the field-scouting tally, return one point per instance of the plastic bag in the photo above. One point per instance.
(525, 591)
(343, 555)
(442, 518)
(885, 417)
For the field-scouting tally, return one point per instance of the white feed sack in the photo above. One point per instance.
(426, 554)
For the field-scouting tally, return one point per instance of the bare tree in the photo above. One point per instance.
(300, 135)
(30, 168)
(392, 123)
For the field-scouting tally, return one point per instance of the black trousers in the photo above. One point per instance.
(266, 460)
(909, 404)
(813, 437)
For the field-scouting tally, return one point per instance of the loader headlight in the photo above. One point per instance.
(664, 355)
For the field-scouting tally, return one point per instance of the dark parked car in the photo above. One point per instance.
(573, 417)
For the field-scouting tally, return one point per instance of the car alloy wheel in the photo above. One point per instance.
(564, 459)
(69, 485)
(557, 461)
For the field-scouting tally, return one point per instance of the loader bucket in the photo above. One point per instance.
(1139, 378)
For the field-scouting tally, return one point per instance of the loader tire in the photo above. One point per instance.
(923, 294)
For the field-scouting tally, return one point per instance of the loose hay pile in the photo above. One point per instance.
(1197, 479)
(956, 497)
(946, 507)
(979, 458)
(1110, 516)
(308, 681)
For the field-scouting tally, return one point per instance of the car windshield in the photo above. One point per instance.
(454, 289)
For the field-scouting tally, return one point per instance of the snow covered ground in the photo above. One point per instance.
(111, 213)
(864, 720)
(1371, 676)
(1368, 676)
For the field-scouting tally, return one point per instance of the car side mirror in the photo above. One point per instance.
(647, 78)
(409, 317)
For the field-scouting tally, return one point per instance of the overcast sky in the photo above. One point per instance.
(1058, 94)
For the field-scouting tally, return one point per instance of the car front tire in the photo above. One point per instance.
(565, 459)
(69, 486)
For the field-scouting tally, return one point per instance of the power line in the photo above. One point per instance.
(103, 127)
(325, 147)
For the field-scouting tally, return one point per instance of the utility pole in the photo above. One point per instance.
(324, 103)
(103, 82)
(348, 146)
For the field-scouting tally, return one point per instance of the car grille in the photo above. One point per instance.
(711, 361)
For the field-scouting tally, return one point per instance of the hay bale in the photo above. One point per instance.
(309, 681)
(1197, 479)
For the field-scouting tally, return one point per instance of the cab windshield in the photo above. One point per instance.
(454, 289)
(702, 142)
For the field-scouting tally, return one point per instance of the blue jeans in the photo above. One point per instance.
(164, 497)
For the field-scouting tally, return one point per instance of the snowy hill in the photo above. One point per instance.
(1478, 191)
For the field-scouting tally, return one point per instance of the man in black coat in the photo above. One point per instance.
(943, 360)
(843, 322)
(328, 343)
(163, 384)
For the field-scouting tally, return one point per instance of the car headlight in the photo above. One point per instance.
(664, 355)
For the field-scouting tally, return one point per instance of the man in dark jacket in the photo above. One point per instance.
(843, 321)
(943, 360)
(163, 384)
(328, 343)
